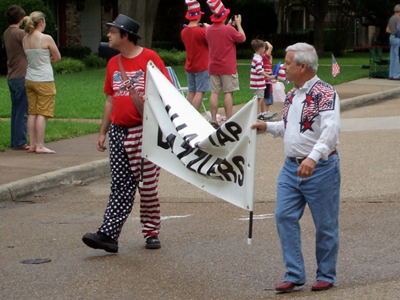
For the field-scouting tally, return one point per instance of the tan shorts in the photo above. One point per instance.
(224, 83)
(41, 97)
(259, 93)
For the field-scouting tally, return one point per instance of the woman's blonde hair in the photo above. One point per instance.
(33, 20)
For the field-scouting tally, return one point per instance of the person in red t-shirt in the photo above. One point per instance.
(222, 41)
(122, 119)
(196, 65)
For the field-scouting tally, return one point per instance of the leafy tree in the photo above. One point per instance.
(28, 6)
(373, 13)
(342, 24)
(263, 25)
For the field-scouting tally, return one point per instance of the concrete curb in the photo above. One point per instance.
(368, 99)
(101, 168)
(17, 189)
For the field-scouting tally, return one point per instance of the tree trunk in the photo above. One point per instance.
(318, 9)
(319, 36)
(144, 12)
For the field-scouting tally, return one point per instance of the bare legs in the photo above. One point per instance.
(228, 104)
(214, 106)
(36, 129)
(195, 98)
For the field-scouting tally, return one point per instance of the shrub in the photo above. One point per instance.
(95, 61)
(168, 45)
(77, 52)
(68, 65)
(244, 54)
(172, 57)
(366, 49)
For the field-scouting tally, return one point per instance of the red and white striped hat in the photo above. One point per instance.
(281, 74)
(219, 11)
(194, 10)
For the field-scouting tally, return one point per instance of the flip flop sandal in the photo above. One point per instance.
(214, 124)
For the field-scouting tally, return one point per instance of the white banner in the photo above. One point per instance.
(180, 140)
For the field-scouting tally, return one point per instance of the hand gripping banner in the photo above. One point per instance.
(181, 141)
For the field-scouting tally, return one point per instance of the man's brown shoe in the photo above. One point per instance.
(286, 286)
(321, 285)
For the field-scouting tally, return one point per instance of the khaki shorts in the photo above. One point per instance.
(41, 97)
(259, 93)
(224, 83)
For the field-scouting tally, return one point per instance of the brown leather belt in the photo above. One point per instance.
(299, 160)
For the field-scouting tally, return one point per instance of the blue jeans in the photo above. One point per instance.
(322, 194)
(394, 70)
(19, 111)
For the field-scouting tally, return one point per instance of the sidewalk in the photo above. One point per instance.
(78, 160)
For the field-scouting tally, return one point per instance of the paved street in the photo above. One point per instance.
(204, 252)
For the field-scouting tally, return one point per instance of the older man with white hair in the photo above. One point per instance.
(311, 172)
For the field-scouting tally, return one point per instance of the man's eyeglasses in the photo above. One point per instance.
(113, 31)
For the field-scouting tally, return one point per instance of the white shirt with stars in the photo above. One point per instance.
(311, 121)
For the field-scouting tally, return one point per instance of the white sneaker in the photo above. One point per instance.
(269, 115)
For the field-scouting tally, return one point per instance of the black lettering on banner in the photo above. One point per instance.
(223, 137)
(174, 116)
(226, 169)
(239, 162)
(180, 127)
(160, 142)
(190, 137)
(220, 169)
(171, 140)
(200, 155)
(212, 140)
(234, 129)
(188, 150)
(231, 134)
(199, 169)
(211, 170)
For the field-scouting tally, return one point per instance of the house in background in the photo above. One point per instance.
(82, 22)
(294, 17)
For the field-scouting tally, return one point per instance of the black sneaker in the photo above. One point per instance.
(100, 241)
(215, 125)
(153, 242)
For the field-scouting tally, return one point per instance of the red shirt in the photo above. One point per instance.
(124, 111)
(222, 48)
(267, 66)
(194, 39)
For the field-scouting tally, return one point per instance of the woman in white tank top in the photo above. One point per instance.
(41, 51)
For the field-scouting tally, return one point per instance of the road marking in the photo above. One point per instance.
(257, 217)
(165, 217)
(174, 217)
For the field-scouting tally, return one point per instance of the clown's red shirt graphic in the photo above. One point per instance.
(124, 111)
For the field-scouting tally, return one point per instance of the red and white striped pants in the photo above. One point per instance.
(126, 162)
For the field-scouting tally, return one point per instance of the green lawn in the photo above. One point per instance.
(80, 95)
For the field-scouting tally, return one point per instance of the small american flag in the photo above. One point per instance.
(335, 67)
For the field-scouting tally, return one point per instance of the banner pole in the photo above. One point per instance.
(251, 173)
(250, 238)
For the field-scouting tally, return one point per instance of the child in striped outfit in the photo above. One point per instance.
(258, 77)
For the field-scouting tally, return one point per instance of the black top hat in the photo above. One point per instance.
(126, 24)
